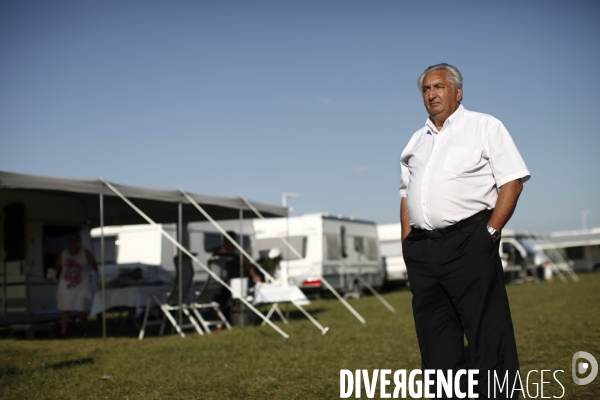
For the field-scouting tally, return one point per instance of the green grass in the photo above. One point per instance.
(552, 321)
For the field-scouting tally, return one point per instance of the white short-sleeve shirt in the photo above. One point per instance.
(452, 174)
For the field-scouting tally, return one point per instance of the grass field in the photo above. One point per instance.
(552, 322)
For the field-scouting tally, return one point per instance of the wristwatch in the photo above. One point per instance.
(494, 233)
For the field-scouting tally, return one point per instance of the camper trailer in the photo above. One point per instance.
(519, 253)
(335, 248)
(516, 257)
(131, 247)
(581, 248)
(391, 255)
(521, 256)
(143, 246)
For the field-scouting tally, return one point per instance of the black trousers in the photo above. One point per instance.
(457, 284)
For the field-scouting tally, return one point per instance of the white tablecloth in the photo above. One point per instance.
(131, 296)
(271, 293)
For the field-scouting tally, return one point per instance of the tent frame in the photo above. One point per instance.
(192, 257)
(87, 192)
(268, 276)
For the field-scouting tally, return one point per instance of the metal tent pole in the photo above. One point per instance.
(555, 267)
(372, 289)
(241, 243)
(268, 276)
(102, 265)
(561, 260)
(180, 261)
(287, 239)
(297, 253)
(186, 252)
(311, 319)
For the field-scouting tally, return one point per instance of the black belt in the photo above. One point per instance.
(418, 234)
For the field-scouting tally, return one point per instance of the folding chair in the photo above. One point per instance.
(172, 303)
(210, 291)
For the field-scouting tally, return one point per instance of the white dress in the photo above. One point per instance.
(74, 292)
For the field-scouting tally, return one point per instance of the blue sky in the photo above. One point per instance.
(314, 97)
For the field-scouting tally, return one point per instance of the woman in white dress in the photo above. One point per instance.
(74, 292)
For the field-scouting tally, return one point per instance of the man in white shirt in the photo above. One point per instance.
(461, 178)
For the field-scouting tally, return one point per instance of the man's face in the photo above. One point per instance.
(440, 99)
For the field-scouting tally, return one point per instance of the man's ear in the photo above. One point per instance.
(459, 94)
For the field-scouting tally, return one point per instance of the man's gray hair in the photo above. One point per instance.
(454, 76)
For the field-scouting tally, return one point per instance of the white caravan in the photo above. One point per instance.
(143, 246)
(581, 248)
(522, 257)
(335, 248)
(518, 253)
(391, 254)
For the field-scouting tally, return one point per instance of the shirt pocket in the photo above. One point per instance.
(460, 160)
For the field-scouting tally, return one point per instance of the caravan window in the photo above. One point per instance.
(507, 248)
(246, 244)
(331, 248)
(297, 242)
(575, 253)
(344, 253)
(366, 247)
(359, 245)
(372, 251)
(514, 255)
(111, 249)
(214, 240)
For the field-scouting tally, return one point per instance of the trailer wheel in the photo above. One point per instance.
(597, 268)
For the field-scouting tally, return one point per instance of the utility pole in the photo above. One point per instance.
(584, 214)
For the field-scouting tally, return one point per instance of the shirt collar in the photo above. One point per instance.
(450, 122)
